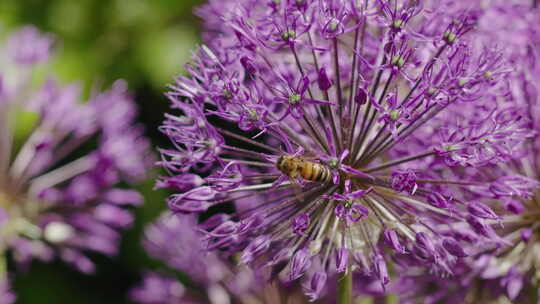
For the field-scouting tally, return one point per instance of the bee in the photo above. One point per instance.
(294, 166)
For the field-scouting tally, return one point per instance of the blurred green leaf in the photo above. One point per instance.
(24, 123)
(163, 53)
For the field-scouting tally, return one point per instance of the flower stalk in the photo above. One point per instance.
(345, 283)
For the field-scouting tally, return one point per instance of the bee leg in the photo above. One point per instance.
(294, 181)
(297, 188)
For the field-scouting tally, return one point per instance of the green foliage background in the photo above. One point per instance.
(145, 42)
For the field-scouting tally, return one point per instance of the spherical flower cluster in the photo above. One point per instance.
(318, 133)
(516, 194)
(508, 205)
(176, 241)
(59, 182)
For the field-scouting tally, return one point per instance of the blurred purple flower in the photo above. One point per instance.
(159, 289)
(176, 241)
(29, 46)
(171, 235)
(6, 295)
(60, 192)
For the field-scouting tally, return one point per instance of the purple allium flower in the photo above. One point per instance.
(507, 205)
(325, 127)
(6, 295)
(416, 285)
(419, 286)
(514, 193)
(59, 184)
(175, 240)
(159, 289)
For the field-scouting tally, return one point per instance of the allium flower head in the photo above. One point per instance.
(318, 127)
(514, 193)
(505, 202)
(59, 186)
(176, 241)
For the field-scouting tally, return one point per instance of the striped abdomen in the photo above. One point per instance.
(294, 166)
(314, 172)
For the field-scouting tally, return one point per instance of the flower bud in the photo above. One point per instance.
(248, 65)
(195, 200)
(361, 96)
(323, 80)
(479, 227)
(392, 239)
(299, 264)
(342, 260)
(482, 211)
(256, 247)
(437, 200)
(526, 234)
(300, 223)
(381, 271)
(183, 182)
(454, 248)
(316, 285)
(514, 206)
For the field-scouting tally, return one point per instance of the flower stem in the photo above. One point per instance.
(345, 288)
(3, 267)
(399, 161)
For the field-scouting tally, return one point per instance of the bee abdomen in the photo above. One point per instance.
(325, 174)
(296, 166)
(315, 172)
